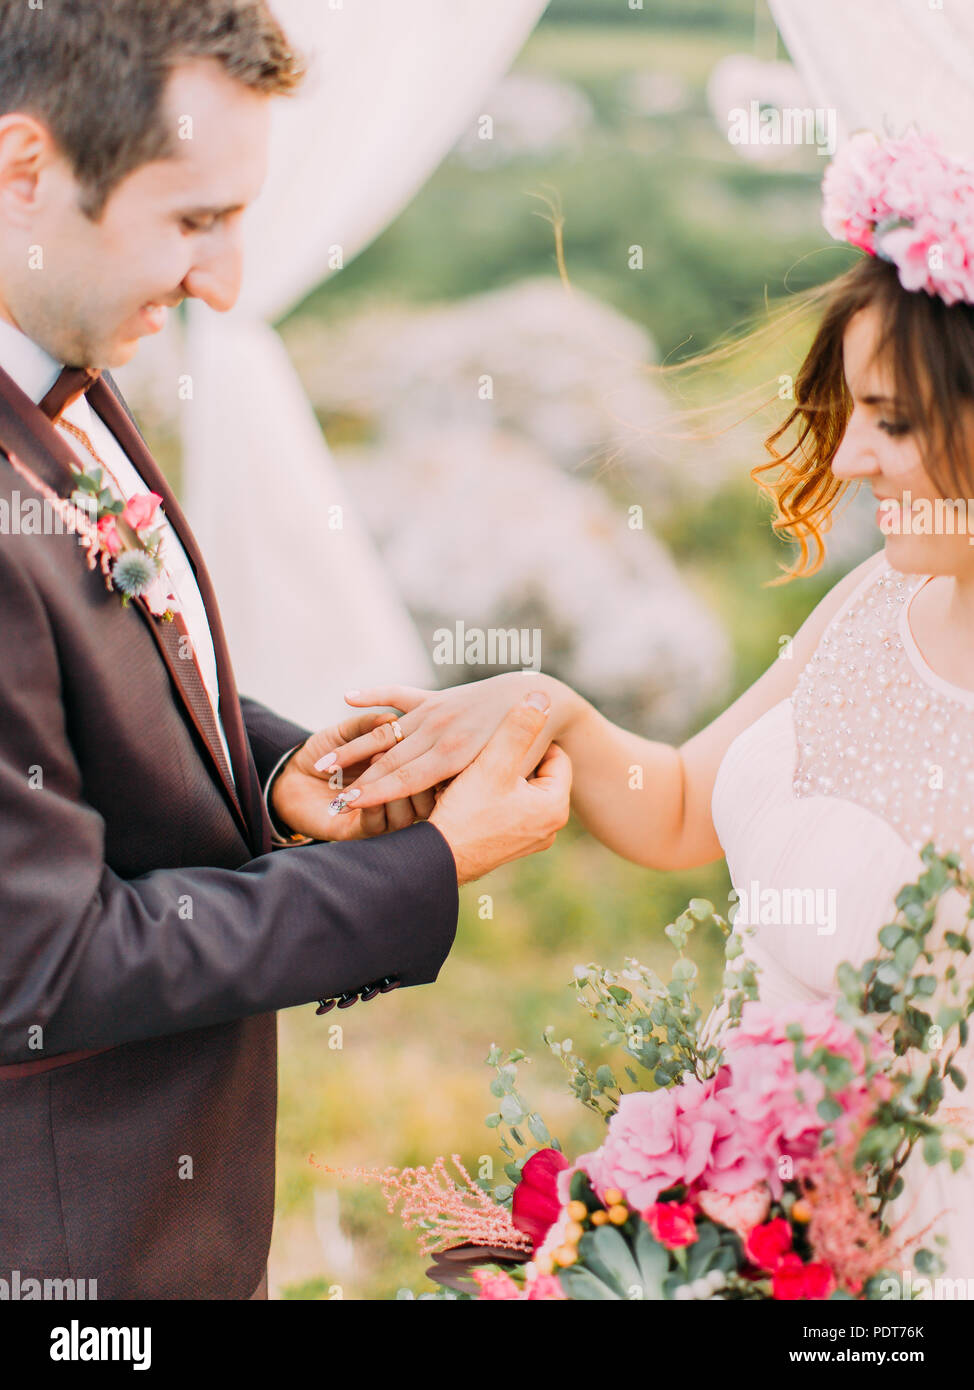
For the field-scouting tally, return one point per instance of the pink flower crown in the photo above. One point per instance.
(906, 201)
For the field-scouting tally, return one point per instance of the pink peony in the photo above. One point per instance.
(536, 1203)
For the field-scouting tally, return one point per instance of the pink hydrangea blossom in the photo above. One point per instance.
(906, 200)
(658, 1139)
(728, 1135)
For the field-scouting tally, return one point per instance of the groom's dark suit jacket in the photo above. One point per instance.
(147, 925)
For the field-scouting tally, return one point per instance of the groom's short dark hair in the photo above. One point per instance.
(95, 72)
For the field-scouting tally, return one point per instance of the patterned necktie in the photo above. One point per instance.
(72, 383)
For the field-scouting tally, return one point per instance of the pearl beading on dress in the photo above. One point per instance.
(870, 729)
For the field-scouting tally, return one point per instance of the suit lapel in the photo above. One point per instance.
(27, 432)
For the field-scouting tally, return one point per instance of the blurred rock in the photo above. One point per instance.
(557, 367)
(528, 116)
(485, 531)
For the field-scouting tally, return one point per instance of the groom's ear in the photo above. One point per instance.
(27, 149)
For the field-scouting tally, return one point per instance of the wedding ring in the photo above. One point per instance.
(396, 728)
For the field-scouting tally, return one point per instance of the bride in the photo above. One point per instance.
(833, 770)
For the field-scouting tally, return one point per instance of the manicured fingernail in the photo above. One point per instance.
(351, 694)
(347, 797)
(537, 700)
(326, 761)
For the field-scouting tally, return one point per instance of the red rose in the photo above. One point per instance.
(536, 1205)
(768, 1244)
(671, 1223)
(792, 1280)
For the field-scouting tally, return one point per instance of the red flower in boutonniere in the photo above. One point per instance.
(119, 537)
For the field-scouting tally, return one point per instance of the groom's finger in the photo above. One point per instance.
(321, 743)
(362, 726)
(512, 751)
(554, 772)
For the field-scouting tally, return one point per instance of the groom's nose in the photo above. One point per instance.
(216, 277)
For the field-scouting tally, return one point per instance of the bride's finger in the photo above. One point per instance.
(378, 786)
(361, 747)
(402, 697)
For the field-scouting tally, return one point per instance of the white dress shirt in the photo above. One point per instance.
(35, 372)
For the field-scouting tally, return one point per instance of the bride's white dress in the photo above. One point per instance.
(835, 790)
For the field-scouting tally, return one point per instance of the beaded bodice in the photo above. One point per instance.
(876, 726)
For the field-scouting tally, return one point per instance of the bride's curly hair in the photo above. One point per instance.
(929, 346)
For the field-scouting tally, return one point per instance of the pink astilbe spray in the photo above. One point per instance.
(444, 1211)
(843, 1230)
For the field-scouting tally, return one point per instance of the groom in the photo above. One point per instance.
(155, 908)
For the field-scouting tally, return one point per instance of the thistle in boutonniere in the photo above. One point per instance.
(128, 531)
(123, 539)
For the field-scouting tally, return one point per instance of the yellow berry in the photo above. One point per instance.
(618, 1214)
(543, 1264)
(566, 1255)
(801, 1211)
(613, 1197)
(574, 1230)
(599, 1218)
(577, 1211)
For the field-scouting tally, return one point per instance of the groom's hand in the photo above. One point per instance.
(301, 797)
(505, 804)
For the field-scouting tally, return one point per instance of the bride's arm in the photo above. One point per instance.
(665, 821)
(664, 824)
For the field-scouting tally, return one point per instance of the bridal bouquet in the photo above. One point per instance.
(759, 1164)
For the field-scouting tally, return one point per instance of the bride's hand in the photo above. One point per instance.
(444, 730)
(301, 796)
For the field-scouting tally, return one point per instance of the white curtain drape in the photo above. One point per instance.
(884, 64)
(308, 607)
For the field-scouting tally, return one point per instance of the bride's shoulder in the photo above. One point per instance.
(838, 598)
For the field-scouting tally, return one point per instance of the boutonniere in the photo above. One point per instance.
(122, 539)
